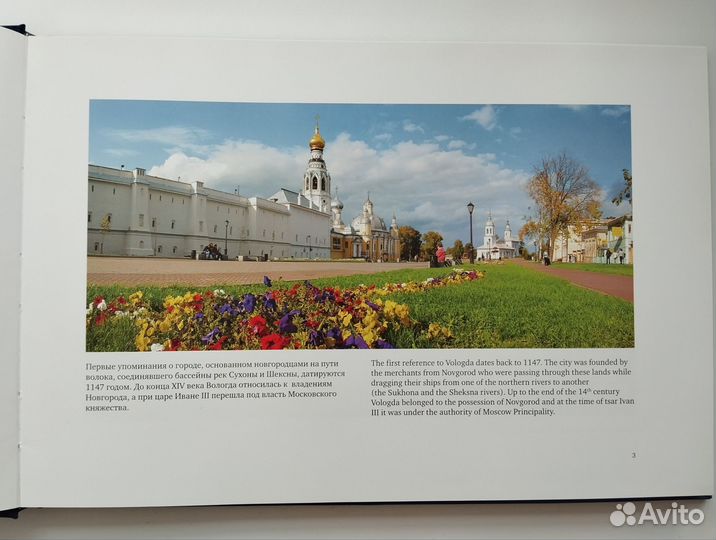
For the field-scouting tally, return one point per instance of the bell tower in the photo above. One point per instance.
(316, 180)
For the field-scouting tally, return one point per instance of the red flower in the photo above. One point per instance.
(197, 298)
(312, 324)
(292, 291)
(218, 345)
(121, 300)
(257, 325)
(274, 342)
(97, 301)
(170, 309)
(174, 345)
(101, 318)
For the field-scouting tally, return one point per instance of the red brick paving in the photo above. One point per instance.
(136, 272)
(619, 286)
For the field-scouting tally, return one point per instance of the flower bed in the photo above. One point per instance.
(301, 317)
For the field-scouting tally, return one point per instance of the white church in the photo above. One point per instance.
(131, 213)
(494, 247)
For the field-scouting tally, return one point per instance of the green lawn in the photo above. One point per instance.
(616, 269)
(510, 307)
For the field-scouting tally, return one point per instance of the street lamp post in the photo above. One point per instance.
(470, 209)
(226, 240)
(310, 248)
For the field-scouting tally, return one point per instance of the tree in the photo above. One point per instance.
(409, 242)
(431, 239)
(468, 249)
(625, 193)
(457, 250)
(564, 195)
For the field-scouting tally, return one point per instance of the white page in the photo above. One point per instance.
(13, 62)
(222, 453)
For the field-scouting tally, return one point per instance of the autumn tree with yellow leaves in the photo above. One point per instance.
(564, 195)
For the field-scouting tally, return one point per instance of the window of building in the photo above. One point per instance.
(92, 188)
(231, 230)
(336, 243)
(150, 196)
(141, 220)
(201, 226)
(159, 249)
(160, 198)
(174, 249)
(141, 243)
(172, 200)
(264, 234)
(215, 227)
(109, 218)
(173, 222)
(154, 222)
(89, 217)
(315, 183)
(114, 191)
(96, 246)
(323, 185)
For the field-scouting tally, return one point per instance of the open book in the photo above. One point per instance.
(485, 309)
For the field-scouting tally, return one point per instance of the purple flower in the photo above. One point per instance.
(199, 316)
(269, 302)
(375, 307)
(267, 281)
(383, 344)
(285, 324)
(249, 302)
(356, 342)
(226, 308)
(335, 334)
(315, 338)
(210, 336)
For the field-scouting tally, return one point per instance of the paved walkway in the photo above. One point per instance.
(619, 286)
(137, 272)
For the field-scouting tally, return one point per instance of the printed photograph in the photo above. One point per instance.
(265, 226)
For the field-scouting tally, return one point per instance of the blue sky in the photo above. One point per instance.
(423, 162)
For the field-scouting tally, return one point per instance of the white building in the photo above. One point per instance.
(133, 214)
(495, 248)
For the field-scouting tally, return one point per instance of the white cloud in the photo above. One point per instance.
(174, 137)
(411, 127)
(441, 138)
(121, 152)
(575, 108)
(383, 137)
(485, 116)
(428, 187)
(515, 132)
(455, 144)
(616, 112)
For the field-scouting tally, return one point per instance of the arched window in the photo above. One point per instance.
(307, 183)
(315, 183)
(323, 184)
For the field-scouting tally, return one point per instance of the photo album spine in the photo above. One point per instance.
(13, 69)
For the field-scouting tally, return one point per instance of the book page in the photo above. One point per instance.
(457, 408)
(13, 59)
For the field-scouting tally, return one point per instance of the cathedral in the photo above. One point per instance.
(131, 213)
(495, 248)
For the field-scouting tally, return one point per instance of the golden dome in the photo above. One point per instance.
(317, 142)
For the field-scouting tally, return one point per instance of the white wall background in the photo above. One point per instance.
(665, 22)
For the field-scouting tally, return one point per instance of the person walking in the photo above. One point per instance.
(440, 254)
